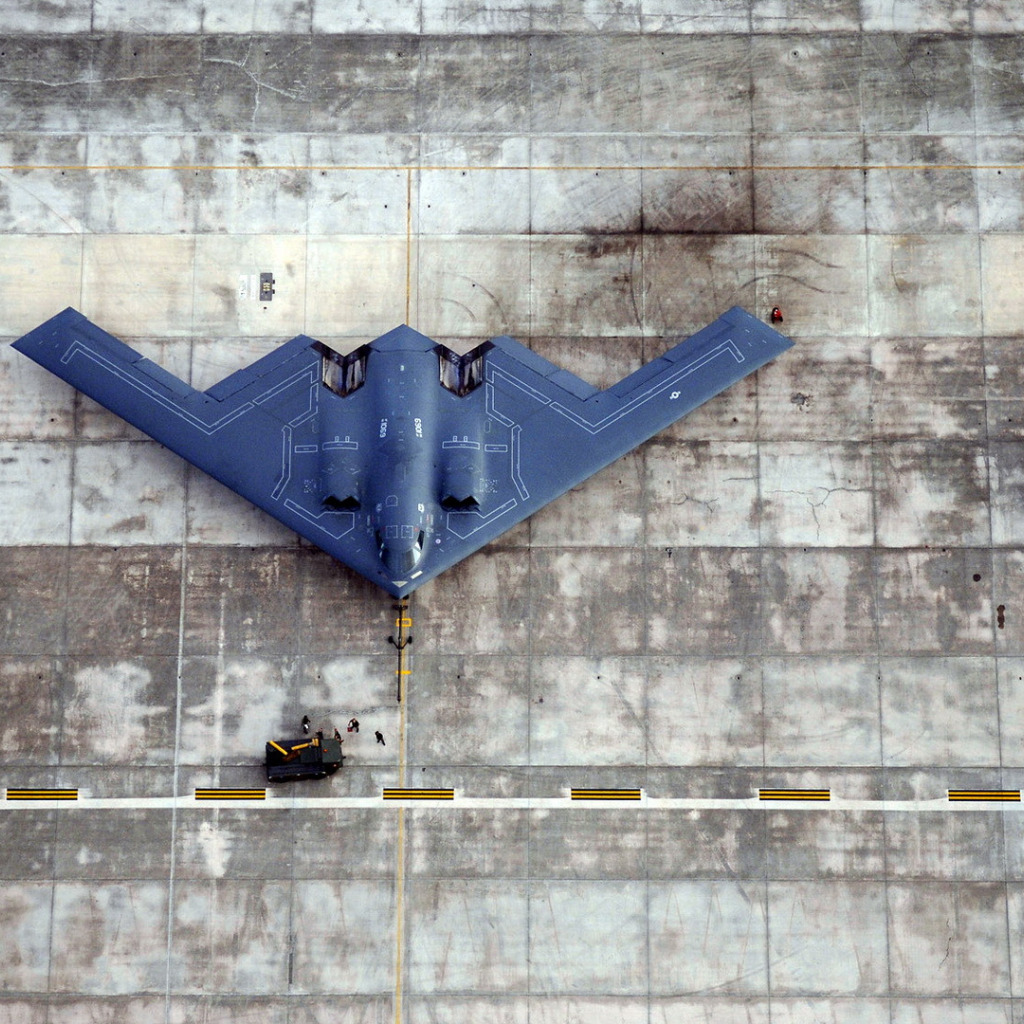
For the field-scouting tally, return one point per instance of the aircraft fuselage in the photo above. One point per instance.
(401, 477)
(402, 482)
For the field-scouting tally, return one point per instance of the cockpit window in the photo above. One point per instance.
(397, 553)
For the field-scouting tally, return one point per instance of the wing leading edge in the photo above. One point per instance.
(275, 434)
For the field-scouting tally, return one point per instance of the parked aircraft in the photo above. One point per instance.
(401, 458)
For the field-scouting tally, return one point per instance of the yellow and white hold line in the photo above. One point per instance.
(455, 799)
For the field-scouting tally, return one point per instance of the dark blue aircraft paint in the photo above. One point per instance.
(402, 458)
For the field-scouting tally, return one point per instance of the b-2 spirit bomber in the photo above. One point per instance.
(402, 457)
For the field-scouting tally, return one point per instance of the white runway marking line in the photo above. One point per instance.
(1007, 801)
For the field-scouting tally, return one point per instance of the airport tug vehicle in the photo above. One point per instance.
(312, 757)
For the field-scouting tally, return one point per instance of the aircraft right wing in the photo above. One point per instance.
(550, 430)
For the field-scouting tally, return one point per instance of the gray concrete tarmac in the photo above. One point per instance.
(811, 587)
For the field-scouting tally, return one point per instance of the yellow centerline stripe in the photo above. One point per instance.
(408, 246)
(406, 614)
(399, 914)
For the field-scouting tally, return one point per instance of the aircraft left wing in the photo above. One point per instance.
(248, 431)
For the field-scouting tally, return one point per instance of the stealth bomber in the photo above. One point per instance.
(401, 458)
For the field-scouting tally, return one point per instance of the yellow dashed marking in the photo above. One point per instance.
(984, 794)
(418, 794)
(606, 794)
(231, 794)
(794, 794)
(42, 794)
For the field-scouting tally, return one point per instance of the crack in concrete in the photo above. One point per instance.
(708, 504)
(816, 505)
(258, 82)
